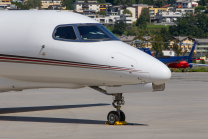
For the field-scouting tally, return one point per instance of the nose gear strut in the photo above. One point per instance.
(114, 117)
(118, 116)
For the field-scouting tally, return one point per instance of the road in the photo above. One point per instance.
(179, 112)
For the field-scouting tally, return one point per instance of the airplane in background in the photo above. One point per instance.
(62, 49)
(172, 59)
(183, 62)
(183, 65)
(180, 65)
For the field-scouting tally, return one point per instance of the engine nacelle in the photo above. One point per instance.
(137, 88)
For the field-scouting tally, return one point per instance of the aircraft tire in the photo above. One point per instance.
(112, 117)
(122, 116)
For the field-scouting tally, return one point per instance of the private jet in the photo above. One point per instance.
(62, 49)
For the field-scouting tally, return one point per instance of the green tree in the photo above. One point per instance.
(20, 5)
(160, 3)
(145, 13)
(203, 2)
(131, 32)
(110, 1)
(149, 2)
(206, 54)
(176, 48)
(202, 21)
(199, 8)
(119, 27)
(119, 2)
(126, 11)
(130, 2)
(101, 13)
(166, 36)
(124, 2)
(68, 4)
(156, 44)
(110, 28)
(171, 1)
(24, 7)
(34, 3)
(141, 22)
(101, 1)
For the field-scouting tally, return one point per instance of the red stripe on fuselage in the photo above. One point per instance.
(65, 63)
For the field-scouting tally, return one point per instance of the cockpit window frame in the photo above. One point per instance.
(79, 39)
(62, 38)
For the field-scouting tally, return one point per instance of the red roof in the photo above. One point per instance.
(166, 6)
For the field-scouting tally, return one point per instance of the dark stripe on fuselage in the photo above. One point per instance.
(42, 61)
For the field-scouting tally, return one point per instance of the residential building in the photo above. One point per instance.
(185, 42)
(118, 10)
(171, 16)
(92, 5)
(132, 10)
(169, 7)
(4, 4)
(110, 20)
(185, 4)
(167, 17)
(139, 8)
(145, 42)
(114, 10)
(166, 6)
(51, 4)
(201, 47)
(185, 10)
(154, 11)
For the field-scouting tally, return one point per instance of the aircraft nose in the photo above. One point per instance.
(160, 73)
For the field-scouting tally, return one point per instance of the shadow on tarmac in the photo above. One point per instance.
(42, 108)
(52, 120)
(57, 120)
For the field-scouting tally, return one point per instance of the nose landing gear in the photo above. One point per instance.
(114, 117)
(117, 117)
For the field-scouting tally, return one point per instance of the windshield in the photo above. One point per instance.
(92, 32)
(108, 31)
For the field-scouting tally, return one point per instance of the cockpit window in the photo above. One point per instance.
(65, 33)
(92, 32)
(114, 37)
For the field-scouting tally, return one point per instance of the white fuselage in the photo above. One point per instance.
(30, 55)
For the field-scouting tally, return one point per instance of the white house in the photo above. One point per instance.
(92, 5)
(168, 16)
(186, 4)
(127, 19)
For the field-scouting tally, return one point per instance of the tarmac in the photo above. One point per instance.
(179, 112)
